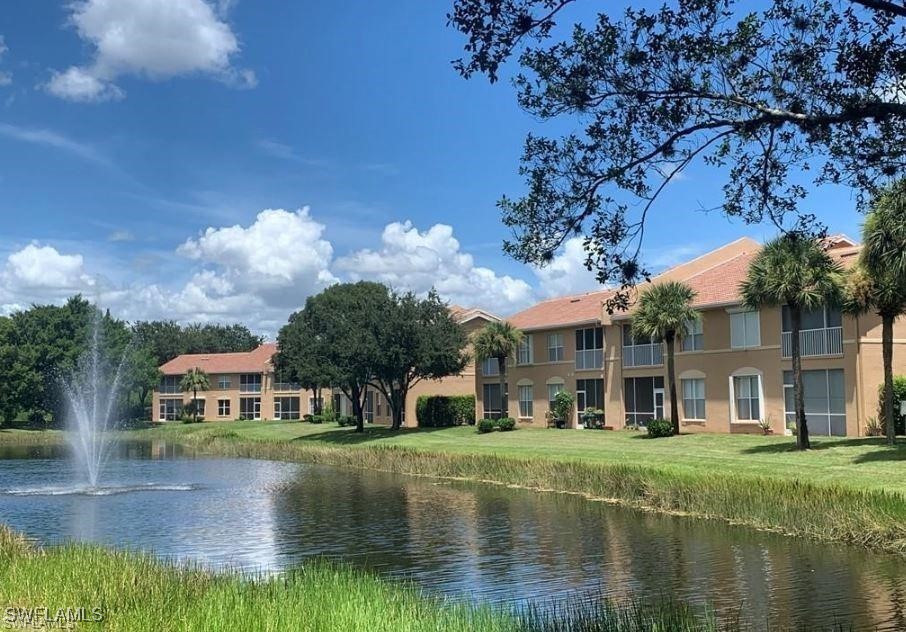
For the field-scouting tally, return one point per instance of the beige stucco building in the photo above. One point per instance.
(733, 366)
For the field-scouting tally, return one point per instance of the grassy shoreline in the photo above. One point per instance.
(131, 591)
(844, 491)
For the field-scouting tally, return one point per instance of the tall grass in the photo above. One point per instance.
(138, 592)
(872, 518)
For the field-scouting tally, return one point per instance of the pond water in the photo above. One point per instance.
(467, 540)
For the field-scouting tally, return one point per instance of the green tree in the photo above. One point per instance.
(140, 373)
(762, 95)
(879, 282)
(662, 314)
(297, 358)
(418, 339)
(193, 381)
(794, 270)
(498, 340)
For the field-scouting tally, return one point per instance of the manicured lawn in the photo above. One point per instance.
(856, 463)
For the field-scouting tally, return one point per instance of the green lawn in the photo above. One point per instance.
(856, 463)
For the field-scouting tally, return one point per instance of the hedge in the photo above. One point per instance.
(436, 411)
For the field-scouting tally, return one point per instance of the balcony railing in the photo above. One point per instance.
(287, 386)
(814, 342)
(589, 359)
(643, 355)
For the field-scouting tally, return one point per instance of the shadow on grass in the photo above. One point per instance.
(825, 443)
(348, 436)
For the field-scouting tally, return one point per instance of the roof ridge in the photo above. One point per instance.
(704, 254)
(717, 265)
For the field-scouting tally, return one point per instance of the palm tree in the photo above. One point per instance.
(498, 340)
(663, 311)
(879, 281)
(794, 270)
(195, 380)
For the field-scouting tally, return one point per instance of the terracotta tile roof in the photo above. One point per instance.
(255, 361)
(566, 310)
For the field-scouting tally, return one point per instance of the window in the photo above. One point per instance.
(552, 390)
(197, 407)
(825, 401)
(590, 348)
(747, 394)
(555, 348)
(223, 382)
(745, 330)
(315, 405)
(821, 318)
(525, 353)
(249, 408)
(169, 385)
(491, 401)
(589, 394)
(369, 406)
(286, 408)
(223, 408)
(489, 367)
(644, 399)
(693, 398)
(821, 332)
(694, 338)
(526, 399)
(250, 383)
(638, 351)
(170, 409)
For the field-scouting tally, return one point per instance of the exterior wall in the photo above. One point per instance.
(870, 363)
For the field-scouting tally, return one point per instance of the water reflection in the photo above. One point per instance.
(485, 542)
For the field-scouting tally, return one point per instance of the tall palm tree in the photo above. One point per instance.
(195, 380)
(498, 340)
(879, 282)
(663, 311)
(794, 270)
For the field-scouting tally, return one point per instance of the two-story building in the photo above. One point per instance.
(732, 364)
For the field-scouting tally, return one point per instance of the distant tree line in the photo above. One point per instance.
(41, 346)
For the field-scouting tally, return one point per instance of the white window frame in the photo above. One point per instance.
(525, 353)
(759, 377)
(223, 382)
(790, 415)
(556, 348)
(250, 383)
(490, 367)
(694, 335)
(256, 407)
(750, 321)
(526, 394)
(595, 353)
(699, 406)
(221, 412)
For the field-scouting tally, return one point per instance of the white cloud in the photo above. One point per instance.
(566, 273)
(6, 77)
(41, 274)
(121, 235)
(52, 139)
(155, 39)
(417, 261)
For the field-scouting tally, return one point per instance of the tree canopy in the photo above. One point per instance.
(796, 92)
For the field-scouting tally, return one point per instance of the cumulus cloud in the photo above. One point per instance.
(6, 77)
(155, 39)
(41, 274)
(413, 260)
(566, 272)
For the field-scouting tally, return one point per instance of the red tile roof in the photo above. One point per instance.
(255, 361)
(567, 310)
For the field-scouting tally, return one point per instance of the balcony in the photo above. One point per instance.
(814, 342)
(643, 355)
(287, 387)
(589, 359)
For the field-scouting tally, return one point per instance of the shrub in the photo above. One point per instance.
(506, 424)
(660, 428)
(873, 428)
(593, 418)
(307, 418)
(487, 425)
(562, 408)
(437, 411)
(317, 419)
(899, 394)
(346, 420)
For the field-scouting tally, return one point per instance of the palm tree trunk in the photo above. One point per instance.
(802, 440)
(887, 354)
(501, 369)
(671, 381)
(195, 404)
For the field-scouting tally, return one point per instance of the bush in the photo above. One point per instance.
(562, 408)
(438, 411)
(346, 420)
(317, 419)
(660, 428)
(506, 424)
(487, 425)
(593, 419)
(899, 394)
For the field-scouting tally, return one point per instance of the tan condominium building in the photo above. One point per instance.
(245, 386)
(733, 365)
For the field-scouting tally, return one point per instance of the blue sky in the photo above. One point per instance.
(136, 168)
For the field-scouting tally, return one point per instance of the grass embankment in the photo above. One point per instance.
(137, 592)
(844, 490)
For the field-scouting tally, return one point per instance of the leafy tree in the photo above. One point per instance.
(764, 96)
(498, 340)
(417, 339)
(297, 358)
(794, 270)
(140, 373)
(663, 311)
(166, 339)
(193, 381)
(879, 282)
